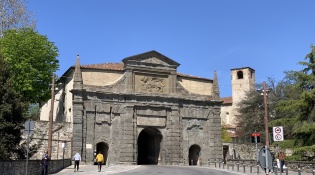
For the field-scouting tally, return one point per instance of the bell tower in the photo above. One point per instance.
(243, 80)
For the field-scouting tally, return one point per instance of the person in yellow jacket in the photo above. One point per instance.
(99, 160)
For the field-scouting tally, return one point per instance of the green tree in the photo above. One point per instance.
(31, 58)
(225, 135)
(252, 109)
(12, 111)
(299, 107)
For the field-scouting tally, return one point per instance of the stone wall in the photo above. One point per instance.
(62, 132)
(242, 151)
(246, 154)
(18, 167)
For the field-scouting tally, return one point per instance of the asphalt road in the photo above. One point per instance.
(164, 170)
(173, 170)
(144, 170)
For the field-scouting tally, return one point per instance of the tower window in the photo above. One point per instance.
(240, 75)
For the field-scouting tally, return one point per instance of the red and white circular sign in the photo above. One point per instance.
(278, 133)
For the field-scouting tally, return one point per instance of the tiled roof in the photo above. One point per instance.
(232, 134)
(227, 100)
(106, 66)
(229, 126)
(120, 67)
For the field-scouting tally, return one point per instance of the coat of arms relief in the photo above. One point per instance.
(152, 84)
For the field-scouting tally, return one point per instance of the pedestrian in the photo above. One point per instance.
(281, 156)
(44, 163)
(77, 159)
(99, 160)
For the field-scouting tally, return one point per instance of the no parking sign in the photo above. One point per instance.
(277, 133)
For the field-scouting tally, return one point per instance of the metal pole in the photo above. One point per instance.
(256, 148)
(266, 156)
(63, 157)
(51, 115)
(28, 141)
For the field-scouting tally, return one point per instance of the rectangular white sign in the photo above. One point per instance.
(277, 133)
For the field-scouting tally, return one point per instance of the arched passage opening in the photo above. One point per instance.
(194, 153)
(225, 151)
(149, 141)
(103, 148)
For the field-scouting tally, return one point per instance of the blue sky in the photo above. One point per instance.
(202, 35)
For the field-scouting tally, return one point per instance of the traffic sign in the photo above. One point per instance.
(277, 133)
(262, 158)
(29, 127)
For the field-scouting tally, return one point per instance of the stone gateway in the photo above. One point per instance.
(146, 114)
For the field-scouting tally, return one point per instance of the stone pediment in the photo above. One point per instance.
(150, 59)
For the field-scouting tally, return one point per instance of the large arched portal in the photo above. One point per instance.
(194, 153)
(103, 148)
(149, 146)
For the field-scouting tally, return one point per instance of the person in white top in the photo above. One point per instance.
(77, 159)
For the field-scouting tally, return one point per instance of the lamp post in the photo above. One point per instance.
(51, 115)
(266, 130)
(266, 116)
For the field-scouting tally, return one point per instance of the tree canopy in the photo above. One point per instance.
(291, 105)
(12, 111)
(31, 59)
(14, 15)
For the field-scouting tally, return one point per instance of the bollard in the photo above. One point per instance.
(227, 166)
(257, 168)
(287, 170)
(251, 167)
(219, 164)
(192, 162)
(313, 170)
(209, 162)
(223, 164)
(215, 162)
(238, 166)
(233, 166)
(244, 166)
(299, 169)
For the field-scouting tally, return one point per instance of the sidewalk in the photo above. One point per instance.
(253, 170)
(93, 169)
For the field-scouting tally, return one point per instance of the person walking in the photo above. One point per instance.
(44, 163)
(99, 160)
(77, 159)
(281, 156)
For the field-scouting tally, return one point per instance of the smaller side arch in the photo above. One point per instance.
(194, 154)
(103, 148)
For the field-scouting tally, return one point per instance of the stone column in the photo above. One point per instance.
(173, 147)
(127, 146)
(77, 141)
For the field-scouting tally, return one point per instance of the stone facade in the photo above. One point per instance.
(141, 111)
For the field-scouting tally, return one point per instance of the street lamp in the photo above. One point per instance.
(264, 93)
(266, 115)
(266, 130)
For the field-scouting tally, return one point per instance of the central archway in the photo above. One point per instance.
(149, 141)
